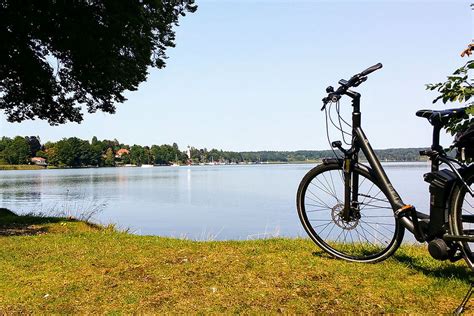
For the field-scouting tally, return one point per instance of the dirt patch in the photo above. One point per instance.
(22, 230)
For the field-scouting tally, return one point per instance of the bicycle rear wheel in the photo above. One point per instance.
(371, 236)
(462, 215)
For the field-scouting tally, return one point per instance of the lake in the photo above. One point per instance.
(196, 202)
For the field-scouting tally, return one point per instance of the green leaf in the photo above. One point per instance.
(470, 110)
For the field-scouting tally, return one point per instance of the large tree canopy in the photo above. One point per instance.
(58, 55)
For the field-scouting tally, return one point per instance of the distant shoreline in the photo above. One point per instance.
(35, 167)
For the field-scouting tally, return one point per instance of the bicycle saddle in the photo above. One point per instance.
(441, 117)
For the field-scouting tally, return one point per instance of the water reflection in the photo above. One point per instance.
(201, 202)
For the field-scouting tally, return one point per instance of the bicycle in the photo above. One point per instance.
(352, 211)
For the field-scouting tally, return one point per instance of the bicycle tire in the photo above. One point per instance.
(462, 204)
(362, 249)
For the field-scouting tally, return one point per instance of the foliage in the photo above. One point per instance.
(59, 55)
(35, 144)
(14, 151)
(137, 155)
(457, 88)
(74, 152)
(109, 158)
(165, 154)
(42, 154)
(125, 159)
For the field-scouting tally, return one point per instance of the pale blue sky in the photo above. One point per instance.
(250, 75)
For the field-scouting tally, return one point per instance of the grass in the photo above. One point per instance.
(21, 167)
(58, 265)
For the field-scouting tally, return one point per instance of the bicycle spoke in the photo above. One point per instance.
(326, 182)
(330, 231)
(339, 235)
(367, 233)
(350, 234)
(375, 208)
(316, 205)
(368, 193)
(319, 199)
(469, 204)
(375, 198)
(378, 206)
(467, 211)
(375, 229)
(325, 227)
(320, 225)
(371, 199)
(333, 186)
(312, 211)
(317, 202)
(365, 236)
(331, 194)
(380, 223)
(375, 237)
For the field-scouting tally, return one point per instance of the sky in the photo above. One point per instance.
(250, 75)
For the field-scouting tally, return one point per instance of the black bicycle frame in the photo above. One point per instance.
(407, 214)
(351, 181)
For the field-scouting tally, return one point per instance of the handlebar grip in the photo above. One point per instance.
(371, 69)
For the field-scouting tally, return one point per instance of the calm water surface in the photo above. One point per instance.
(198, 202)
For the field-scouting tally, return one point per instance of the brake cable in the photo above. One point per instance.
(327, 130)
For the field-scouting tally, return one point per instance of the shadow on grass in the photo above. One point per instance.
(20, 225)
(461, 272)
(322, 254)
(448, 271)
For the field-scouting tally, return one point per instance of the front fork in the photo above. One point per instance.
(351, 188)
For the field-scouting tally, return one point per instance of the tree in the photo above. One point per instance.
(147, 156)
(457, 88)
(125, 159)
(94, 141)
(109, 158)
(137, 154)
(72, 152)
(96, 153)
(57, 56)
(42, 154)
(66, 152)
(4, 141)
(51, 153)
(17, 151)
(34, 143)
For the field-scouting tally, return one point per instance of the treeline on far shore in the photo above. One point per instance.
(75, 152)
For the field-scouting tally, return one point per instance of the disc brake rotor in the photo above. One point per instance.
(336, 215)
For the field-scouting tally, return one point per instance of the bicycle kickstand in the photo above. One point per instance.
(466, 298)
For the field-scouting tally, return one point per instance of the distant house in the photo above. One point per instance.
(39, 161)
(121, 152)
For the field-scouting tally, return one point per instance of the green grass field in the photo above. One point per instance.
(52, 265)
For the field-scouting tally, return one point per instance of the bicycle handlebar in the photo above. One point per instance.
(355, 81)
(371, 69)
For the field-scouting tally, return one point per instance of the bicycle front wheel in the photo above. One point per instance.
(462, 215)
(373, 235)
